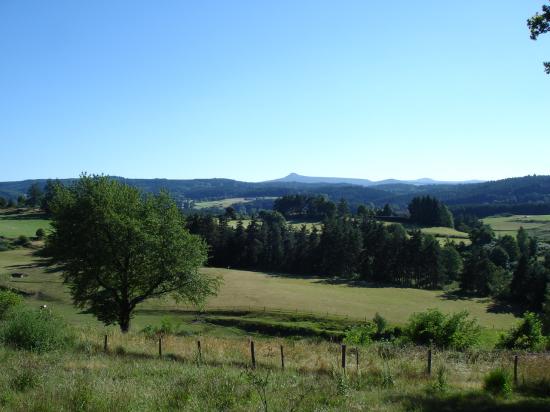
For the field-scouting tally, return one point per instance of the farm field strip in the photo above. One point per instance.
(535, 225)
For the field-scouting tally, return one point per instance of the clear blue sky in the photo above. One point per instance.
(253, 90)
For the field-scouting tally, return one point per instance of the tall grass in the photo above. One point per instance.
(131, 376)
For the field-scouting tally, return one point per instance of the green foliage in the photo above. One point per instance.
(40, 233)
(526, 336)
(451, 263)
(8, 299)
(498, 382)
(380, 322)
(453, 331)
(35, 195)
(166, 327)
(35, 330)
(361, 335)
(429, 211)
(118, 248)
(26, 379)
(441, 381)
(540, 24)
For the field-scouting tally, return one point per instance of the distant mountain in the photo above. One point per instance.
(294, 177)
(527, 195)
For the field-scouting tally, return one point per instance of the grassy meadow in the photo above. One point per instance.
(262, 296)
(535, 225)
(130, 376)
(13, 224)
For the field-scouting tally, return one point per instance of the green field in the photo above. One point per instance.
(535, 225)
(244, 290)
(15, 224)
(223, 203)
(254, 292)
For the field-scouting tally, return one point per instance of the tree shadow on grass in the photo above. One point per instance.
(473, 401)
(457, 294)
(505, 307)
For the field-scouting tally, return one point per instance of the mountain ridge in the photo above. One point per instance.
(295, 177)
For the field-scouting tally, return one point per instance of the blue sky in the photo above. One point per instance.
(253, 90)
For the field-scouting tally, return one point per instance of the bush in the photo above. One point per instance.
(22, 241)
(526, 336)
(26, 379)
(498, 382)
(3, 245)
(8, 299)
(360, 335)
(34, 329)
(166, 327)
(380, 322)
(454, 331)
(40, 233)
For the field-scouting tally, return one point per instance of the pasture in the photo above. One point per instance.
(13, 224)
(261, 292)
(535, 225)
(255, 292)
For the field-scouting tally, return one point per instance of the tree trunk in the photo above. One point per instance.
(124, 320)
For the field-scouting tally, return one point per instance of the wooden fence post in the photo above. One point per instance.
(357, 359)
(252, 354)
(199, 350)
(105, 344)
(344, 357)
(160, 346)
(282, 358)
(429, 362)
(516, 370)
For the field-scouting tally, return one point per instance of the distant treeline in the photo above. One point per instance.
(482, 211)
(527, 195)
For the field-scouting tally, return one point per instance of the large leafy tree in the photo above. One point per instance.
(540, 24)
(118, 248)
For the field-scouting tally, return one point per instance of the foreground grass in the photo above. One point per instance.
(132, 377)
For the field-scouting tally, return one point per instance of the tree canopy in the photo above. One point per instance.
(540, 24)
(118, 248)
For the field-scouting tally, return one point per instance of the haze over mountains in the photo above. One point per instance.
(294, 177)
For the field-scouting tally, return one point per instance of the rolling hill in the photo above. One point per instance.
(528, 195)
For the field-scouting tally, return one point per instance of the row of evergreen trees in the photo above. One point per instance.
(343, 246)
(510, 268)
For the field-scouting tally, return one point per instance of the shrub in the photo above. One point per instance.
(26, 379)
(166, 327)
(40, 233)
(22, 241)
(360, 335)
(454, 331)
(3, 245)
(526, 336)
(498, 382)
(8, 299)
(380, 322)
(34, 330)
(441, 382)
